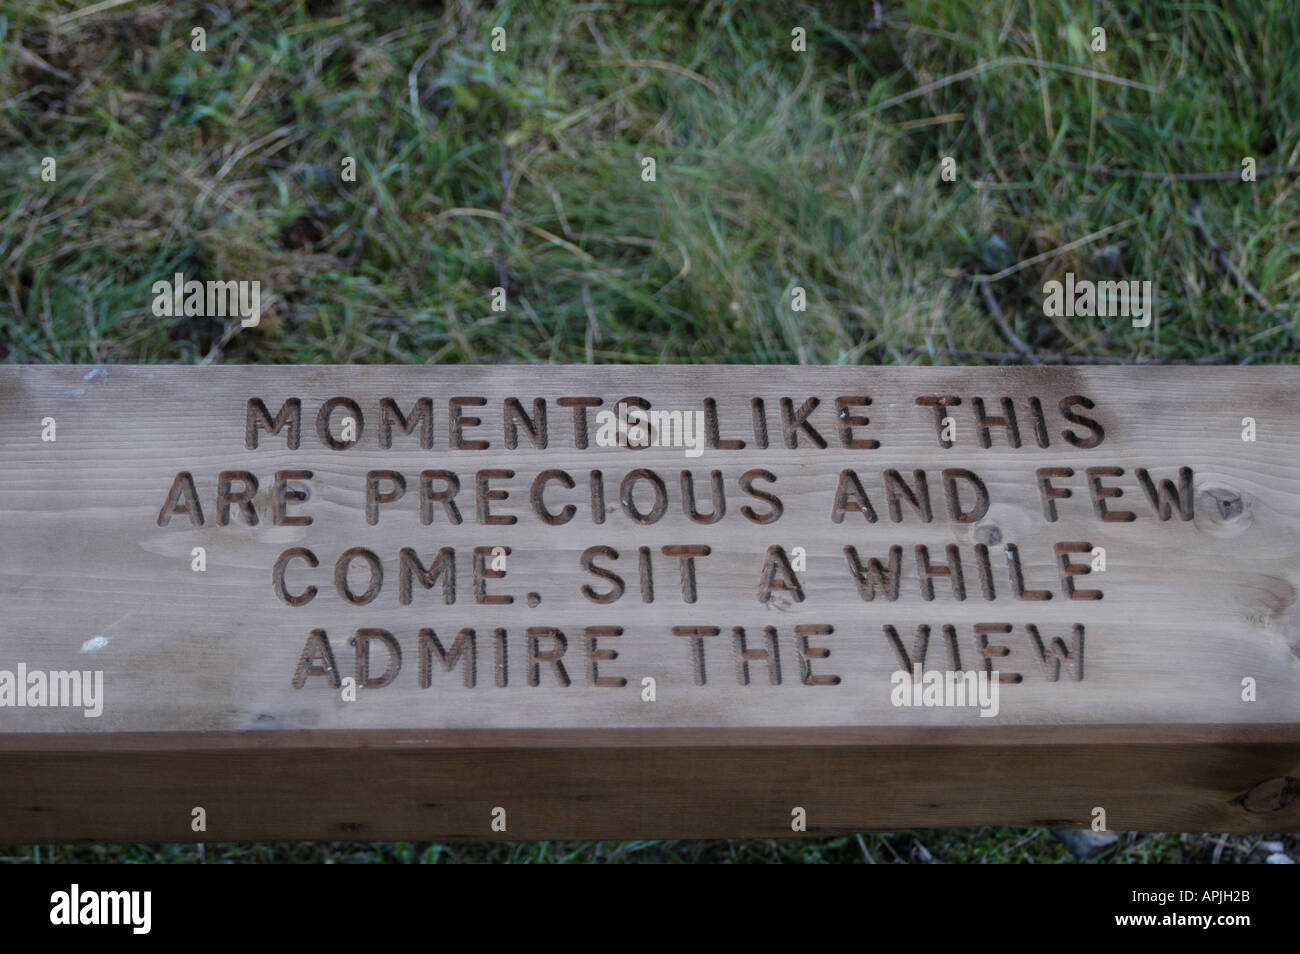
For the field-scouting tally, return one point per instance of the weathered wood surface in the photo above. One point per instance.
(678, 783)
(199, 695)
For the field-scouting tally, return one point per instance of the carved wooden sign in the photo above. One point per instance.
(258, 554)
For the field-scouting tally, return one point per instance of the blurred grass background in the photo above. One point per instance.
(774, 169)
(948, 846)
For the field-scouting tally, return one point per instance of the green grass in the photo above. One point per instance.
(969, 846)
(523, 168)
(775, 169)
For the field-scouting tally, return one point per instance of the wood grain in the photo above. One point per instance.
(200, 705)
(661, 783)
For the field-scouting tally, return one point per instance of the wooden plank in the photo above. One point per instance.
(675, 783)
(1172, 700)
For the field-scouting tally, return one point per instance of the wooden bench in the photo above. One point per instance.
(468, 603)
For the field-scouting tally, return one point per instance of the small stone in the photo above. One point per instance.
(1084, 842)
(1108, 260)
(996, 254)
(1279, 859)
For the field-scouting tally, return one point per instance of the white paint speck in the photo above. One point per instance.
(94, 644)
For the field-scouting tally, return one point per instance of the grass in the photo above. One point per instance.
(773, 169)
(968, 846)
